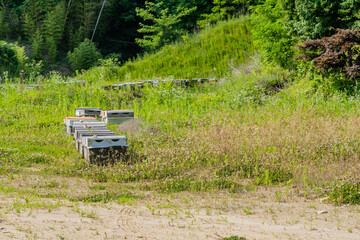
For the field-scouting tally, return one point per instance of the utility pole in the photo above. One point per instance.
(97, 22)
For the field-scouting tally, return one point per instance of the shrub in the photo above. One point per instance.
(345, 193)
(339, 53)
(8, 60)
(12, 57)
(84, 56)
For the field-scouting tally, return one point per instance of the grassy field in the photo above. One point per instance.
(259, 126)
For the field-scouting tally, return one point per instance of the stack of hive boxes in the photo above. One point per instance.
(96, 143)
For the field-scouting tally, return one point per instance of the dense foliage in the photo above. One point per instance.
(338, 53)
(271, 34)
(164, 27)
(84, 56)
(8, 60)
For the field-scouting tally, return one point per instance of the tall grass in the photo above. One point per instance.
(203, 138)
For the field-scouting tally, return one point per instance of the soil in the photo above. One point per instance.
(252, 215)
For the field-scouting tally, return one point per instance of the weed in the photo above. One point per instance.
(124, 198)
(247, 211)
(234, 238)
(345, 193)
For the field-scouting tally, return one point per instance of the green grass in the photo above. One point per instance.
(106, 197)
(237, 134)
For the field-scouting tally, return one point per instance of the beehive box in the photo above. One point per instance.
(86, 125)
(69, 122)
(78, 130)
(117, 116)
(105, 156)
(104, 150)
(81, 135)
(88, 112)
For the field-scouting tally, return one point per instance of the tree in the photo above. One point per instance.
(8, 60)
(164, 25)
(339, 53)
(53, 28)
(12, 57)
(223, 9)
(350, 13)
(271, 34)
(84, 56)
(315, 19)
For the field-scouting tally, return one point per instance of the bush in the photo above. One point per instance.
(12, 58)
(345, 193)
(84, 56)
(8, 60)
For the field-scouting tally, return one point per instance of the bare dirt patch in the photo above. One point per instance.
(251, 215)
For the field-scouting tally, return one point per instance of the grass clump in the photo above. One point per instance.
(107, 197)
(234, 238)
(345, 193)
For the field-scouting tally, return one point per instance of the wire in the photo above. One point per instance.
(97, 22)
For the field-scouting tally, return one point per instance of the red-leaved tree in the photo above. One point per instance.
(337, 53)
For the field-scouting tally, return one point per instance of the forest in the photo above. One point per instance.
(54, 34)
(49, 29)
(48, 35)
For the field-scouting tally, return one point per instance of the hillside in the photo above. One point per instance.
(210, 53)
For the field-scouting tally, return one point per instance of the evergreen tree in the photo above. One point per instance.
(164, 28)
(84, 56)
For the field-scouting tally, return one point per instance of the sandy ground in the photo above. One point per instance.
(187, 216)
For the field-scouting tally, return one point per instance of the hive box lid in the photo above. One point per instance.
(117, 114)
(105, 141)
(81, 112)
(67, 119)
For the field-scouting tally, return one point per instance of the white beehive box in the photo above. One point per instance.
(88, 112)
(79, 130)
(105, 141)
(69, 121)
(117, 116)
(82, 135)
(104, 150)
(85, 125)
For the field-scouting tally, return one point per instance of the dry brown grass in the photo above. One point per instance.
(315, 149)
